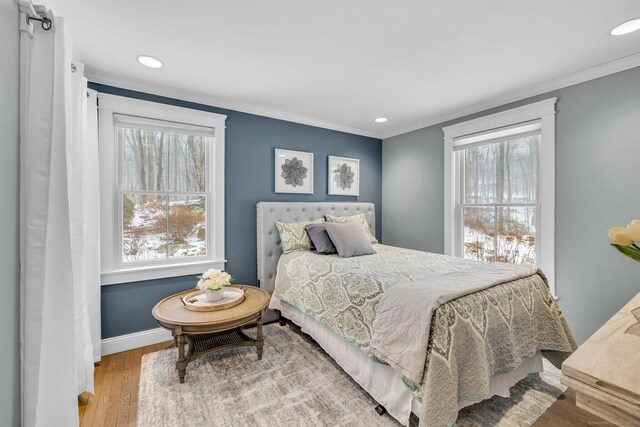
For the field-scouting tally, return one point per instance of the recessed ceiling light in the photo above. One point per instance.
(381, 120)
(150, 61)
(626, 27)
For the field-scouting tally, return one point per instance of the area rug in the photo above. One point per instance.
(297, 384)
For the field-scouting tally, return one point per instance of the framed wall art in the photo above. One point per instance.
(344, 176)
(293, 172)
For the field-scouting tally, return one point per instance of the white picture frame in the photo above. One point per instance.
(343, 176)
(296, 178)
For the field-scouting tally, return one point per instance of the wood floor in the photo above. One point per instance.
(115, 402)
(116, 378)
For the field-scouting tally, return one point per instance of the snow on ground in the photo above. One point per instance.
(153, 245)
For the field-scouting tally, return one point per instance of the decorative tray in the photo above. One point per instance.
(197, 300)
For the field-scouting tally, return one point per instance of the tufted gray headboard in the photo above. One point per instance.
(268, 239)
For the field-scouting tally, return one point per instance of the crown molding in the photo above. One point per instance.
(601, 70)
(184, 95)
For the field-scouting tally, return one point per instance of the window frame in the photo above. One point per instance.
(113, 270)
(545, 225)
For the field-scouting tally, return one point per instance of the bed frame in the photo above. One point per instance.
(268, 239)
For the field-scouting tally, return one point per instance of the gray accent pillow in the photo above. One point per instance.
(361, 218)
(349, 239)
(320, 238)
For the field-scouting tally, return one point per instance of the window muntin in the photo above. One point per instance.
(163, 191)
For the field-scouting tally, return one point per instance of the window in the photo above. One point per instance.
(499, 197)
(162, 178)
(499, 177)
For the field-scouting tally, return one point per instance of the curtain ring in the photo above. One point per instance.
(46, 23)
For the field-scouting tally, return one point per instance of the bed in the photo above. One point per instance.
(313, 292)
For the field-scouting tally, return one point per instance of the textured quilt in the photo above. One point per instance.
(344, 293)
(471, 339)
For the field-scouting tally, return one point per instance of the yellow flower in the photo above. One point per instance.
(620, 236)
(633, 230)
(612, 230)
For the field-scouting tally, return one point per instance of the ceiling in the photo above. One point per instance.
(340, 64)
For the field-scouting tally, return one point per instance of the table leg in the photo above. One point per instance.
(259, 339)
(181, 364)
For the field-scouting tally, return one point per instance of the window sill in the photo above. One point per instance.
(152, 272)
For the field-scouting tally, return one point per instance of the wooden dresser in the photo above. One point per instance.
(605, 370)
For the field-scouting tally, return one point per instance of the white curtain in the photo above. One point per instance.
(82, 177)
(57, 354)
(91, 218)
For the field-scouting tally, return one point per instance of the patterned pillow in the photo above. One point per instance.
(360, 218)
(294, 237)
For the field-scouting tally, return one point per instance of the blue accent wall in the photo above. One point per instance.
(250, 141)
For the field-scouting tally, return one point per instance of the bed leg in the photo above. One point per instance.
(381, 410)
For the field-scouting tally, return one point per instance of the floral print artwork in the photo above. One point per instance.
(294, 172)
(343, 176)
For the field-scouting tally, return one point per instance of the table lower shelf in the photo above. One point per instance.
(203, 344)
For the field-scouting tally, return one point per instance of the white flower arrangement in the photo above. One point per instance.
(214, 280)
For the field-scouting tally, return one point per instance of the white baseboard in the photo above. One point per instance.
(134, 340)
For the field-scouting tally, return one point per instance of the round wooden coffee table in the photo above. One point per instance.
(206, 332)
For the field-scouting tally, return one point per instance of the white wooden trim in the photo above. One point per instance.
(113, 271)
(185, 95)
(595, 72)
(155, 110)
(525, 113)
(450, 197)
(160, 271)
(542, 110)
(546, 196)
(135, 340)
(217, 203)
